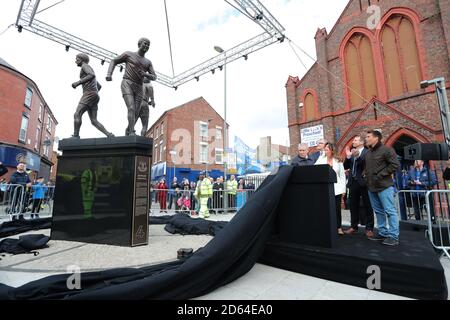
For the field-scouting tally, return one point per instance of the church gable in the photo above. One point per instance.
(377, 115)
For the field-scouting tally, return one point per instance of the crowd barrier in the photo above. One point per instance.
(21, 201)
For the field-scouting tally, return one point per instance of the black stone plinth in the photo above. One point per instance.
(307, 212)
(102, 191)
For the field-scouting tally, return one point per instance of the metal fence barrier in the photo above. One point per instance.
(437, 204)
(411, 204)
(18, 201)
(165, 201)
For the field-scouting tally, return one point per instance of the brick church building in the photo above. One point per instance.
(369, 77)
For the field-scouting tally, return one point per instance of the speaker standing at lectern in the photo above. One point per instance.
(330, 157)
(302, 159)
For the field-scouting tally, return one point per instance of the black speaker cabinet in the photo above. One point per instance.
(426, 151)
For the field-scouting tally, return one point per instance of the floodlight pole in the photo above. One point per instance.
(225, 131)
(444, 110)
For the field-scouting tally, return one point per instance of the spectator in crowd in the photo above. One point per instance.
(184, 183)
(3, 187)
(355, 163)
(320, 150)
(194, 202)
(178, 194)
(331, 158)
(184, 202)
(152, 193)
(241, 197)
(231, 186)
(401, 183)
(162, 195)
(210, 208)
(203, 192)
(302, 158)
(218, 195)
(174, 192)
(250, 186)
(155, 191)
(3, 169)
(241, 184)
(38, 190)
(22, 180)
(420, 178)
(381, 164)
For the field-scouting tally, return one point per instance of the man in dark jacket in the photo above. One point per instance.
(320, 150)
(3, 169)
(355, 163)
(174, 194)
(381, 164)
(302, 159)
(22, 181)
(218, 195)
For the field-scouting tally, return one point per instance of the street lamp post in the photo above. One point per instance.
(207, 155)
(225, 138)
(441, 94)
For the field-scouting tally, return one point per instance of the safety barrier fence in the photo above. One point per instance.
(20, 201)
(164, 201)
(437, 205)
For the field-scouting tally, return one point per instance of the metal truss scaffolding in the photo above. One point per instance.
(253, 9)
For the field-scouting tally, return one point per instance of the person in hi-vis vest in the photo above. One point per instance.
(88, 189)
(203, 192)
(231, 187)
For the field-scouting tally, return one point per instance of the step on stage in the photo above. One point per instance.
(411, 269)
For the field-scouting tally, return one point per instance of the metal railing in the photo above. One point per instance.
(17, 201)
(439, 222)
(411, 204)
(169, 201)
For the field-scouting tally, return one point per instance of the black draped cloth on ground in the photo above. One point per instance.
(178, 223)
(183, 224)
(229, 255)
(10, 228)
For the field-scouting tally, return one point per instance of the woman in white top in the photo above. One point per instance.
(330, 157)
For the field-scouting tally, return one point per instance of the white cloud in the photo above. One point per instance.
(256, 93)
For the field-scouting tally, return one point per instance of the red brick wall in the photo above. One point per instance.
(433, 42)
(12, 97)
(13, 86)
(183, 122)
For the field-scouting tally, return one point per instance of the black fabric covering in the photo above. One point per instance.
(25, 244)
(229, 255)
(12, 228)
(193, 226)
(411, 269)
(183, 224)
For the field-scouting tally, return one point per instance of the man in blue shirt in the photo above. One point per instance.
(422, 179)
(38, 197)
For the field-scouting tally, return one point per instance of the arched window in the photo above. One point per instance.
(310, 107)
(360, 70)
(401, 56)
